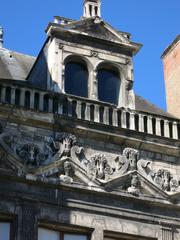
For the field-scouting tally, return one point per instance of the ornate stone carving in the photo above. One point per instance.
(135, 185)
(68, 172)
(31, 154)
(98, 167)
(165, 181)
(132, 156)
(128, 161)
(64, 143)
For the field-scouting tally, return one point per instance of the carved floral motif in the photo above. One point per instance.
(98, 167)
(64, 143)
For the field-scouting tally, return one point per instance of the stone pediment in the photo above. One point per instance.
(97, 28)
(61, 160)
(135, 184)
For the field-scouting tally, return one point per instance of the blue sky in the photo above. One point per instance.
(154, 23)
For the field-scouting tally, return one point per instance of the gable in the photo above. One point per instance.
(98, 29)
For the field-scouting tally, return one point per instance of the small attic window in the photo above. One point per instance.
(108, 84)
(76, 78)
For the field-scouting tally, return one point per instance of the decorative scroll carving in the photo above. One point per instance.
(68, 173)
(64, 143)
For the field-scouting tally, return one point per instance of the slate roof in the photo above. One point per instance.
(143, 105)
(14, 65)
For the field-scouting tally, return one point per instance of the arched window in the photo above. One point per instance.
(108, 84)
(76, 78)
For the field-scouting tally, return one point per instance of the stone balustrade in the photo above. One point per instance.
(89, 110)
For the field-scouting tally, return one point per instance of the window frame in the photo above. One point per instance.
(84, 68)
(114, 70)
(67, 229)
(11, 225)
(109, 235)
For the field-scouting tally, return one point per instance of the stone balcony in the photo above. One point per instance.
(27, 97)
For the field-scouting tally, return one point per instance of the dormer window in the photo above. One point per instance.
(76, 77)
(108, 84)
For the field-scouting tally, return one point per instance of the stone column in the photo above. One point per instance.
(123, 119)
(167, 234)
(69, 107)
(50, 104)
(166, 128)
(60, 107)
(158, 126)
(132, 121)
(96, 113)
(32, 95)
(13, 94)
(87, 113)
(106, 116)
(141, 123)
(93, 85)
(115, 117)
(175, 130)
(41, 101)
(78, 109)
(22, 97)
(149, 124)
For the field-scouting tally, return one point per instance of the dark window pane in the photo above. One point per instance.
(108, 86)
(76, 79)
(46, 234)
(74, 237)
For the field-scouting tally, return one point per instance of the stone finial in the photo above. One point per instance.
(92, 8)
(1, 36)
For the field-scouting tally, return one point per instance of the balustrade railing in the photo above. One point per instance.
(89, 110)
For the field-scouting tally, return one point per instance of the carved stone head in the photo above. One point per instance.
(67, 168)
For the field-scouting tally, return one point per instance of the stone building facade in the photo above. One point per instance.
(81, 156)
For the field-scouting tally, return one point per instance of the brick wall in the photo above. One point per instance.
(171, 60)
